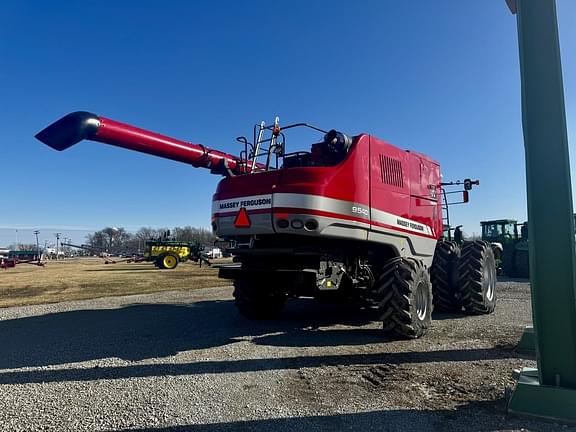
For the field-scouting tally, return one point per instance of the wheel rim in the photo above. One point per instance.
(489, 275)
(169, 261)
(421, 301)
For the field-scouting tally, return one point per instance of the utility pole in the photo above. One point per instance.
(37, 245)
(57, 240)
(16, 245)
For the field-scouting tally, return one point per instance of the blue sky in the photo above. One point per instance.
(441, 78)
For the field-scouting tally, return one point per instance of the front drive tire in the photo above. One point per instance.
(256, 300)
(477, 278)
(444, 275)
(404, 294)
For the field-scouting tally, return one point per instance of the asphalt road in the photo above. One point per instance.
(185, 360)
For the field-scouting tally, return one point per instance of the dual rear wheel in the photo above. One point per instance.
(460, 279)
(464, 278)
(476, 290)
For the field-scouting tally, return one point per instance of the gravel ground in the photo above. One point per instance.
(185, 360)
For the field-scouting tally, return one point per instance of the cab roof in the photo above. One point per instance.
(499, 221)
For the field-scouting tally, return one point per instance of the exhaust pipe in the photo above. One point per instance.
(81, 125)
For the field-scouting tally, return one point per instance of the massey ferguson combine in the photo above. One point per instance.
(354, 218)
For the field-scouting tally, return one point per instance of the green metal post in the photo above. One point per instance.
(549, 391)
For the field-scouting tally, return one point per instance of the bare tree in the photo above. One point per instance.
(118, 240)
(97, 240)
(188, 233)
(22, 246)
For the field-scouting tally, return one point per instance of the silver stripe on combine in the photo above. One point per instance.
(321, 203)
(349, 208)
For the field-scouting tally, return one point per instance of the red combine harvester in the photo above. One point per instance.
(354, 218)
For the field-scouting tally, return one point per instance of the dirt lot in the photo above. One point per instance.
(185, 360)
(86, 278)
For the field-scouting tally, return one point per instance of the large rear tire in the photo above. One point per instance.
(404, 294)
(444, 277)
(477, 278)
(256, 300)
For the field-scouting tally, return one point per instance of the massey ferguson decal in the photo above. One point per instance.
(410, 225)
(249, 203)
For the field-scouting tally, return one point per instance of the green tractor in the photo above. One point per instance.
(510, 246)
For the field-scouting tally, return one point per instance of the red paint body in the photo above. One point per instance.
(407, 184)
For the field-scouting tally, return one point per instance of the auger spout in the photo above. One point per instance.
(81, 125)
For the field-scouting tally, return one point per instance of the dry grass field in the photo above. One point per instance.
(85, 278)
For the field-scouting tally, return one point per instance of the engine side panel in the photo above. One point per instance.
(425, 192)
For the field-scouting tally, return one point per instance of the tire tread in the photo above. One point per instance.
(474, 256)
(396, 306)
